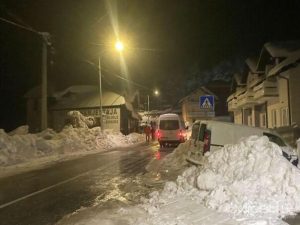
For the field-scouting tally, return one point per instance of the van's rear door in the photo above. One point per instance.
(169, 129)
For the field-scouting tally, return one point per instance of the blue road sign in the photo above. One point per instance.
(207, 102)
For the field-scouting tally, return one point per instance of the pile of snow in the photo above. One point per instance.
(20, 146)
(173, 161)
(248, 179)
(243, 184)
(77, 120)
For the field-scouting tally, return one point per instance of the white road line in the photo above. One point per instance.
(50, 187)
(57, 184)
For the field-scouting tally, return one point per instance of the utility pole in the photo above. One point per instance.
(100, 93)
(44, 102)
(148, 103)
(45, 42)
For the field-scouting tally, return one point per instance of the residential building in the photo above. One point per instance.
(118, 111)
(190, 105)
(269, 95)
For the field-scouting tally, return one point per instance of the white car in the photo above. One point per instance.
(209, 135)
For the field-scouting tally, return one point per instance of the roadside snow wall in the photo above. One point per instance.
(22, 147)
(246, 179)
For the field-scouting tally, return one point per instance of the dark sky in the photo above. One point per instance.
(167, 37)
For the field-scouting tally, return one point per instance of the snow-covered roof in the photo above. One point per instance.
(76, 89)
(295, 56)
(239, 78)
(201, 90)
(86, 97)
(37, 91)
(276, 50)
(281, 49)
(252, 64)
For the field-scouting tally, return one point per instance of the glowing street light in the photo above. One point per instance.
(156, 93)
(119, 47)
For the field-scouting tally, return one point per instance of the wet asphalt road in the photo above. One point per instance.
(293, 220)
(44, 196)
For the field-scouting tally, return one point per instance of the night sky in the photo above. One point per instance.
(170, 41)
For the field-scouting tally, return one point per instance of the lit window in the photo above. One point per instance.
(284, 117)
(249, 120)
(262, 120)
(274, 119)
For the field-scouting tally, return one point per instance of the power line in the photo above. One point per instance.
(118, 76)
(19, 26)
(87, 61)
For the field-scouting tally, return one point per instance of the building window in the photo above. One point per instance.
(274, 119)
(249, 120)
(247, 117)
(284, 117)
(263, 120)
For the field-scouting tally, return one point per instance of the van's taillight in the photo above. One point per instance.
(206, 141)
(180, 134)
(158, 134)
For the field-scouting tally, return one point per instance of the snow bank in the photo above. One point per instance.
(19, 146)
(173, 161)
(76, 119)
(247, 179)
(244, 184)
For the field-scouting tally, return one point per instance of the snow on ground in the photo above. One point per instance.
(20, 147)
(169, 167)
(248, 180)
(247, 183)
(173, 161)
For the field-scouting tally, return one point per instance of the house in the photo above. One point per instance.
(118, 111)
(190, 105)
(269, 96)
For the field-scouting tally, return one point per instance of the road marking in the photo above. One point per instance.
(63, 182)
(51, 187)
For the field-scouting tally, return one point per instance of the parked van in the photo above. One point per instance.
(209, 135)
(170, 129)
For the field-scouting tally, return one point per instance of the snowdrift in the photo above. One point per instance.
(245, 179)
(20, 146)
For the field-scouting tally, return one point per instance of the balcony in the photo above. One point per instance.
(246, 99)
(231, 101)
(255, 80)
(240, 90)
(265, 91)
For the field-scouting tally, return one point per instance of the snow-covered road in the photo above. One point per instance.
(106, 179)
(243, 184)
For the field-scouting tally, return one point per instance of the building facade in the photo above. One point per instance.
(118, 112)
(190, 105)
(269, 96)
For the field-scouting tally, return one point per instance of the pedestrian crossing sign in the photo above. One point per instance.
(207, 102)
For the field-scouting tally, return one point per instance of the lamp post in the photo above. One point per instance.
(100, 93)
(119, 47)
(156, 93)
(148, 103)
(45, 42)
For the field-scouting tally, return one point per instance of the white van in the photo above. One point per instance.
(209, 135)
(170, 129)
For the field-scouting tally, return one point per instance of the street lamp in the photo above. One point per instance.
(119, 47)
(156, 93)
